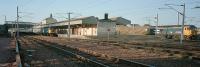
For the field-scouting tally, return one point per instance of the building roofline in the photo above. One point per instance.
(172, 25)
(82, 18)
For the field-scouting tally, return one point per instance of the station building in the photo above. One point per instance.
(84, 26)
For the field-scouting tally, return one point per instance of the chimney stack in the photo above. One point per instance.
(106, 16)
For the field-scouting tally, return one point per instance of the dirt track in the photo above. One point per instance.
(7, 52)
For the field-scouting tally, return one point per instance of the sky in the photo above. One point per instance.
(138, 11)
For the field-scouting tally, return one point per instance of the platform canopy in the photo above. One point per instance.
(83, 20)
(11, 24)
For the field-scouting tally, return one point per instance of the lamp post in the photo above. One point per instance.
(157, 20)
(17, 22)
(183, 20)
(69, 20)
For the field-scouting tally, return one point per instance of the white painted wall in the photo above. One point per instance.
(87, 31)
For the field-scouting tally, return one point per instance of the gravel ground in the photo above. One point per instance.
(157, 58)
(106, 48)
(45, 57)
(7, 53)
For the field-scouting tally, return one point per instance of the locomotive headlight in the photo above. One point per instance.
(146, 29)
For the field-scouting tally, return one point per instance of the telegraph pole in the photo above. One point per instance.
(178, 17)
(69, 20)
(183, 21)
(17, 22)
(157, 20)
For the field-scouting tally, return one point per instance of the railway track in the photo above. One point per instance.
(98, 61)
(18, 53)
(189, 50)
(192, 40)
(45, 56)
(187, 54)
(174, 54)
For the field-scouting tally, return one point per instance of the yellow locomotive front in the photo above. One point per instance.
(190, 32)
(52, 32)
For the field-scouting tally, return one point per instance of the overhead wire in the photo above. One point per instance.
(103, 2)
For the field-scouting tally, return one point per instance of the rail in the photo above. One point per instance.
(98, 64)
(18, 56)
